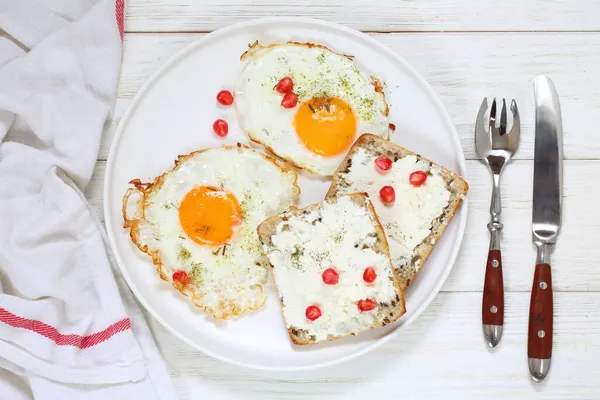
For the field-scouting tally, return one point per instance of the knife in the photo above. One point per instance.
(546, 221)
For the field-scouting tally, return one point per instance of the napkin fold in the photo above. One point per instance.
(69, 326)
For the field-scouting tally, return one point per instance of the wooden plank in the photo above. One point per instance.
(575, 259)
(374, 15)
(461, 67)
(441, 355)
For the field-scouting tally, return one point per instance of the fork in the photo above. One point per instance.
(495, 146)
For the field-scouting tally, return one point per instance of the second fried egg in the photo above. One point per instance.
(337, 102)
(198, 224)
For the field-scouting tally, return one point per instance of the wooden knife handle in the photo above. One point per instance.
(539, 343)
(493, 291)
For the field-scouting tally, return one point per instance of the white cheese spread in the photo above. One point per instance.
(408, 221)
(331, 237)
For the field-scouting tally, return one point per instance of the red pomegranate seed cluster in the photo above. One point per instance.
(285, 87)
(331, 277)
(387, 194)
(220, 126)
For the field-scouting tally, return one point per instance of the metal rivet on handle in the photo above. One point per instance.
(493, 309)
(543, 285)
(541, 334)
(495, 263)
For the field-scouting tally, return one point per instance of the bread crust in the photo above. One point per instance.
(457, 186)
(268, 227)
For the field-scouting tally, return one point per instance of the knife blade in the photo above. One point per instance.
(546, 222)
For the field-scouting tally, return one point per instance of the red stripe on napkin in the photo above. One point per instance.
(120, 13)
(50, 332)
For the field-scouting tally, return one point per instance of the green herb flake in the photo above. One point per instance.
(345, 82)
(295, 258)
(338, 237)
(321, 58)
(184, 254)
(196, 272)
(168, 205)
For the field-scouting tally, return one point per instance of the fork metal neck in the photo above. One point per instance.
(495, 226)
(496, 204)
(496, 164)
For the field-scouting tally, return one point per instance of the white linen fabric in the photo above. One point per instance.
(69, 326)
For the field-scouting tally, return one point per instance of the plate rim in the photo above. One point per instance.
(224, 31)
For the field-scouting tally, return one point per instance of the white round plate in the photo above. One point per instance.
(173, 114)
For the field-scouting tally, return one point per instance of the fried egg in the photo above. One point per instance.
(336, 103)
(198, 224)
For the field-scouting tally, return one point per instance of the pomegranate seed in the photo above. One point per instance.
(366, 305)
(330, 276)
(392, 127)
(225, 97)
(285, 85)
(383, 163)
(387, 194)
(369, 275)
(181, 277)
(289, 100)
(221, 127)
(313, 312)
(417, 178)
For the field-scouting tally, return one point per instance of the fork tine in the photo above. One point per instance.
(503, 118)
(482, 109)
(493, 117)
(482, 138)
(515, 131)
(516, 128)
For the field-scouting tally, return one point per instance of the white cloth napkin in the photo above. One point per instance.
(68, 329)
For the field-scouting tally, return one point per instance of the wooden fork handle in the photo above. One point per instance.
(493, 290)
(492, 311)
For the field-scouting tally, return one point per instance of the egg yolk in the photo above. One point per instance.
(209, 215)
(326, 125)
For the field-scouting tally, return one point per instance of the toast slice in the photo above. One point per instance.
(319, 256)
(419, 215)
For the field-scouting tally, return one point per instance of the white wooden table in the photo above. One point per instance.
(466, 49)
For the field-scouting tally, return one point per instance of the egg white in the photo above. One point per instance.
(316, 72)
(225, 281)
